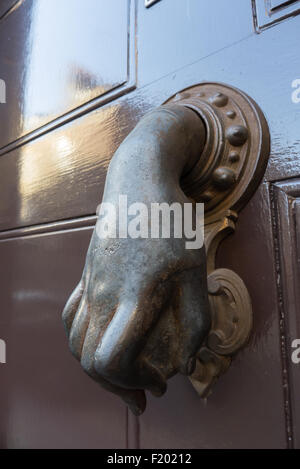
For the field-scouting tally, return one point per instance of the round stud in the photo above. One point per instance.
(219, 99)
(233, 156)
(237, 135)
(223, 177)
(206, 196)
(231, 114)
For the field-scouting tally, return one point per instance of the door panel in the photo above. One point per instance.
(173, 34)
(267, 13)
(63, 50)
(286, 210)
(46, 400)
(78, 152)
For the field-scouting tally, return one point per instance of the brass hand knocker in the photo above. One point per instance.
(148, 308)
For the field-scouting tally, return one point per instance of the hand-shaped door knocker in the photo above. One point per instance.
(148, 307)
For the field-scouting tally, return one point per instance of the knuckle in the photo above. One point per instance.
(104, 364)
(87, 363)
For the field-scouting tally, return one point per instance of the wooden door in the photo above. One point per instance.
(78, 76)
